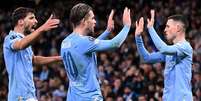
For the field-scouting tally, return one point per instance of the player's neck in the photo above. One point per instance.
(179, 38)
(19, 29)
(80, 30)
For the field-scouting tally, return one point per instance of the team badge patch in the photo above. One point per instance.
(91, 38)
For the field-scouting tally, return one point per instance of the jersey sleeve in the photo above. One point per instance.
(178, 48)
(148, 57)
(92, 44)
(183, 49)
(104, 35)
(10, 40)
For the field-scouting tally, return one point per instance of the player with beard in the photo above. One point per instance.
(18, 55)
(78, 52)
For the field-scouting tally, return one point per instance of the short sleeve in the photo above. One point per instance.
(10, 40)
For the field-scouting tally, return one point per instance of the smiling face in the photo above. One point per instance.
(29, 23)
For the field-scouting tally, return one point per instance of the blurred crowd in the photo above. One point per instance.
(124, 76)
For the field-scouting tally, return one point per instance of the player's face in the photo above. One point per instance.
(90, 22)
(170, 30)
(30, 23)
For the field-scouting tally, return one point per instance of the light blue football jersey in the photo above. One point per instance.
(19, 68)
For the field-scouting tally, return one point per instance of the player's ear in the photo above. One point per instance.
(179, 27)
(83, 22)
(20, 21)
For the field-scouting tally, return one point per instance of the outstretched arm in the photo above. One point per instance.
(26, 41)
(99, 45)
(41, 60)
(103, 35)
(110, 26)
(147, 57)
(160, 44)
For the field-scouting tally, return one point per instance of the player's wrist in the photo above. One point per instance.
(127, 25)
(150, 27)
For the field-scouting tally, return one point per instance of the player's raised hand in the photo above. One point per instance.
(50, 23)
(139, 26)
(126, 17)
(150, 22)
(110, 22)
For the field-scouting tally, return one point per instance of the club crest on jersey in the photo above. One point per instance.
(91, 38)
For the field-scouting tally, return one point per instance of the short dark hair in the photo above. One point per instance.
(180, 18)
(78, 12)
(20, 13)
